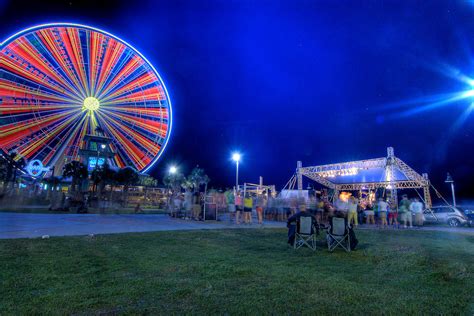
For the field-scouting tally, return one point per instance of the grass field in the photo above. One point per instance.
(237, 272)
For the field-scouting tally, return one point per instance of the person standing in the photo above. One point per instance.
(416, 207)
(393, 214)
(270, 208)
(311, 205)
(188, 202)
(330, 210)
(320, 210)
(230, 199)
(383, 209)
(360, 211)
(375, 208)
(239, 204)
(260, 203)
(196, 206)
(352, 213)
(248, 205)
(369, 212)
(138, 209)
(405, 213)
(282, 209)
(293, 207)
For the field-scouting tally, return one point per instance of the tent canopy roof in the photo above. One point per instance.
(366, 176)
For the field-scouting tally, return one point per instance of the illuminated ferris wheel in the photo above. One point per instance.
(61, 84)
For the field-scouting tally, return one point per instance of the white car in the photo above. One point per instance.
(453, 216)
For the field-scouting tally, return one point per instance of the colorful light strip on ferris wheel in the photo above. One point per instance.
(79, 79)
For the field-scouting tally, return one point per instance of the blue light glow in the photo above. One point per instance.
(236, 157)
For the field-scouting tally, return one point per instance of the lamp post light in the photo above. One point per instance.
(102, 148)
(173, 170)
(236, 157)
(450, 180)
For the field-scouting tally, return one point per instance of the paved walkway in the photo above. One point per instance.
(30, 225)
(27, 225)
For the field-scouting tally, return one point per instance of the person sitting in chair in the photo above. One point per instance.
(291, 223)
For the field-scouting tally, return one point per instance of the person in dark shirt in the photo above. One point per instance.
(292, 221)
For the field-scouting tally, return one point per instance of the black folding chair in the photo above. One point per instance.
(338, 235)
(305, 233)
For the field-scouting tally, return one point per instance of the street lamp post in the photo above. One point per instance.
(236, 158)
(172, 171)
(450, 180)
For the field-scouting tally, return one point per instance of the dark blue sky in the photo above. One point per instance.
(317, 81)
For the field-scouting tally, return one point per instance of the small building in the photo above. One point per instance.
(96, 151)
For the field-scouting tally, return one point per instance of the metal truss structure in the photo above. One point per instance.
(257, 189)
(324, 173)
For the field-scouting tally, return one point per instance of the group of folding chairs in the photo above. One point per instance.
(337, 234)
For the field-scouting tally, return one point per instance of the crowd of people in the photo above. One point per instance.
(190, 204)
(241, 206)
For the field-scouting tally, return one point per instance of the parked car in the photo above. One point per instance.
(469, 213)
(453, 216)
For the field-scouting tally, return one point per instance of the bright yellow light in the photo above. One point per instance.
(91, 104)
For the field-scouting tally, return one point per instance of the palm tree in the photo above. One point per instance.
(52, 183)
(13, 164)
(147, 181)
(76, 170)
(174, 181)
(3, 171)
(127, 176)
(197, 178)
(103, 176)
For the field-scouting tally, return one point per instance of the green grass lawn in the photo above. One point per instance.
(237, 272)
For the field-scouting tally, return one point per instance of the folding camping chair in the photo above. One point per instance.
(305, 233)
(338, 235)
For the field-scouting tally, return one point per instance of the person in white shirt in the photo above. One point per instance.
(383, 209)
(416, 208)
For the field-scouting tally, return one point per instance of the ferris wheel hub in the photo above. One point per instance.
(91, 104)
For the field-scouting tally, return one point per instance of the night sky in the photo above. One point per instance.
(281, 81)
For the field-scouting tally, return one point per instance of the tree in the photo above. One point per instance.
(103, 176)
(127, 176)
(77, 171)
(197, 178)
(147, 180)
(3, 171)
(12, 164)
(52, 182)
(174, 181)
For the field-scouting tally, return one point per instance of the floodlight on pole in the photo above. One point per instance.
(450, 180)
(173, 170)
(236, 157)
